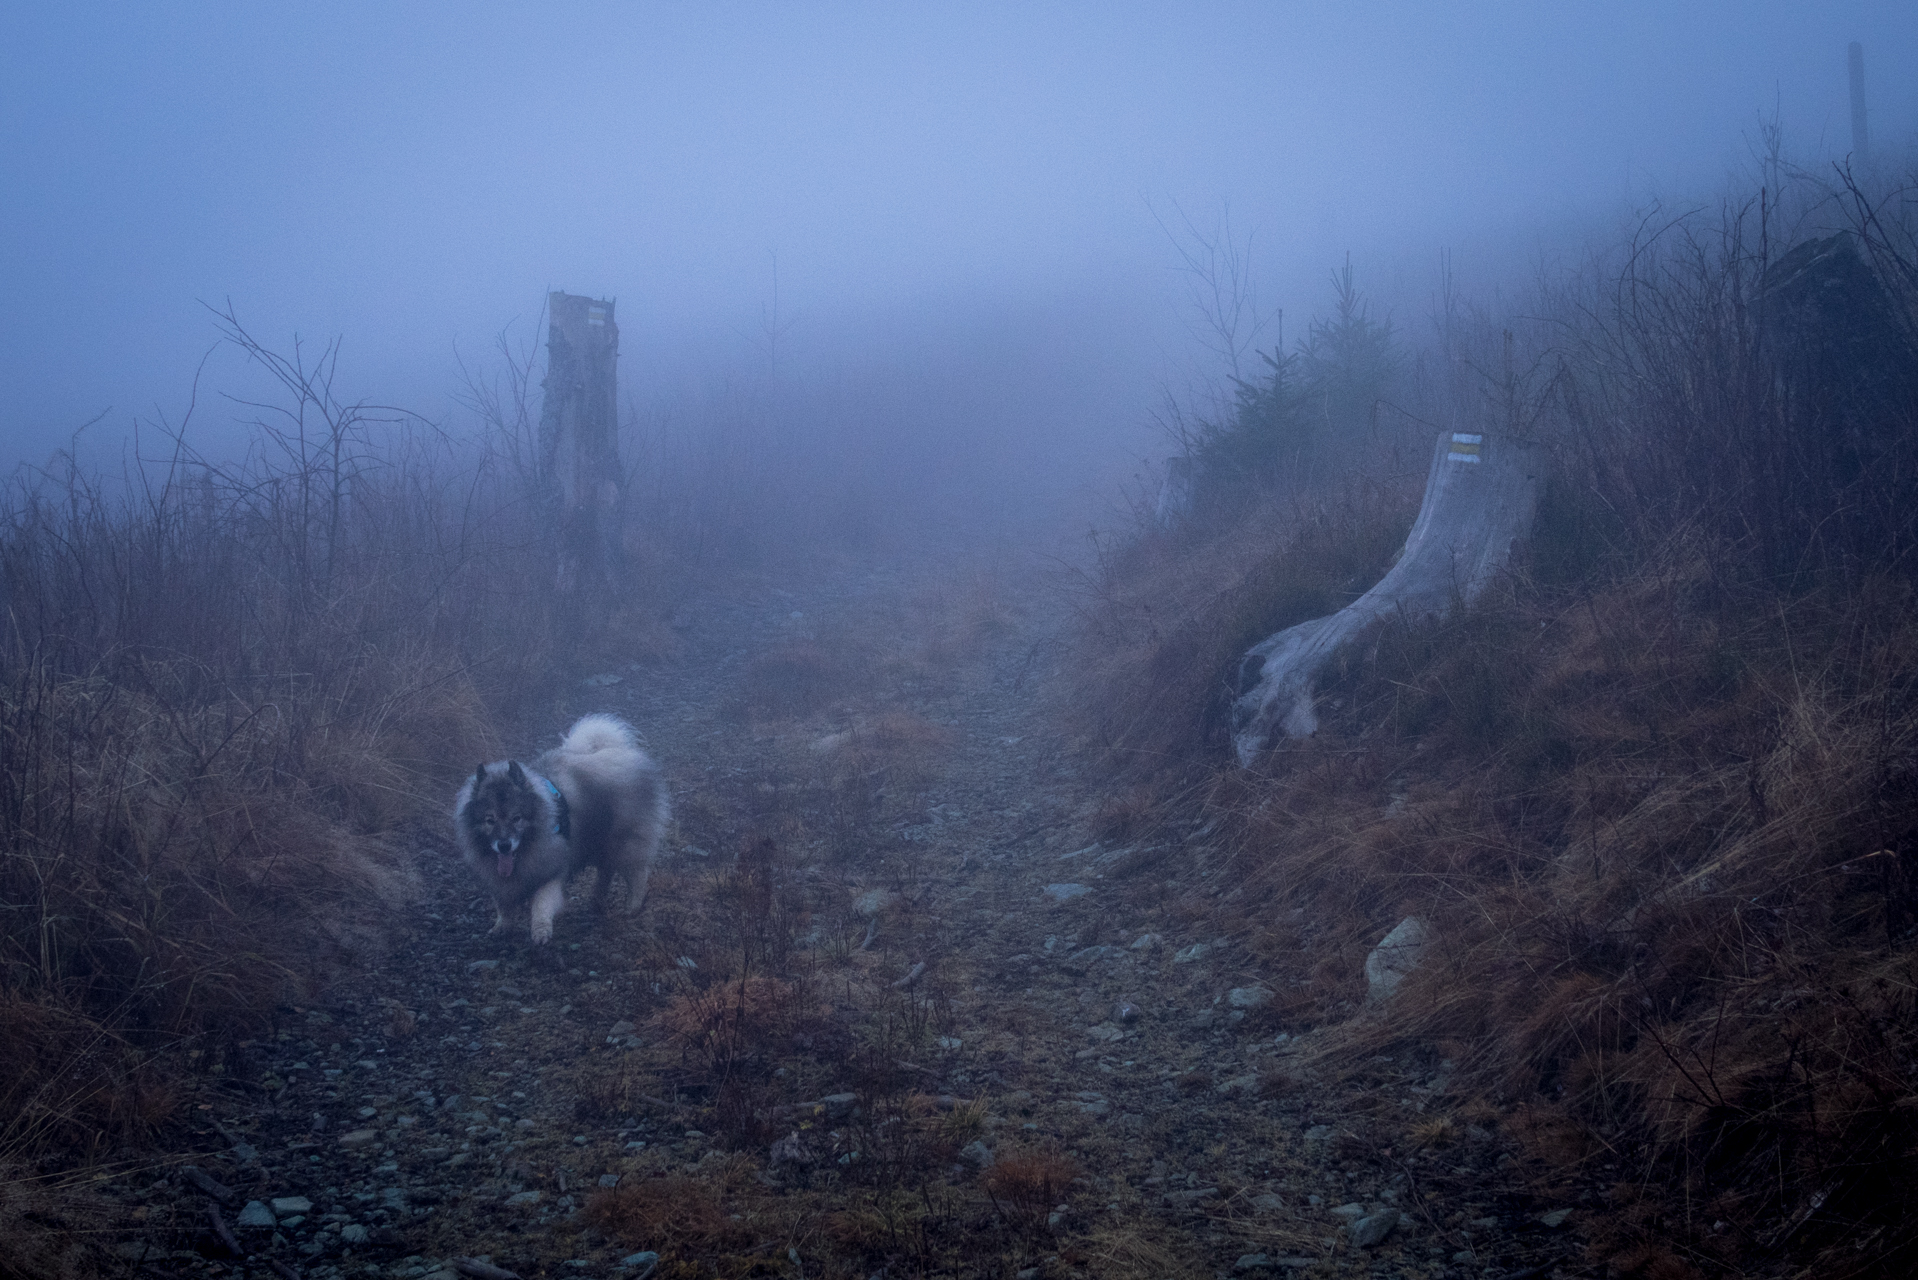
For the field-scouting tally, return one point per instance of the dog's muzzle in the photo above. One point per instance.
(503, 851)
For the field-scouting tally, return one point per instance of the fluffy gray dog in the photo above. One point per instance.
(596, 800)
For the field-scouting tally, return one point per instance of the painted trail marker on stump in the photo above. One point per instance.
(1480, 497)
(578, 430)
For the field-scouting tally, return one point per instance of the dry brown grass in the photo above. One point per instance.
(1664, 849)
(1025, 1186)
(1657, 794)
(165, 880)
(731, 1020)
(680, 1217)
(1131, 1253)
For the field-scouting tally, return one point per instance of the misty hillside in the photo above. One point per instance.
(1206, 644)
(973, 949)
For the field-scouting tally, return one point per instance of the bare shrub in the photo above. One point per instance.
(225, 689)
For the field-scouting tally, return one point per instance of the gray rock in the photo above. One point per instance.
(283, 1205)
(977, 1154)
(359, 1138)
(1268, 1203)
(1353, 1211)
(1555, 1219)
(1080, 961)
(1063, 893)
(256, 1214)
(1396, 955)
(481, 966)
(1125, 1011)
(873, 901)
(1319, 1133)
(644, 1258)
(353, 1233)
(1106, 1031)
(1146, 941)
(522, 1200)
(1248, 997)
(791, 1150)
(1252, 1262)
(839, 1106)
(1238, 1086)
(1373, 1228)
(1186, 955)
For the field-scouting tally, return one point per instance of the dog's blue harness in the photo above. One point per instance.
(562, 813)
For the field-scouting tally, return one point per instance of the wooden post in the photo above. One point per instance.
(1860, 138)
(578, 425)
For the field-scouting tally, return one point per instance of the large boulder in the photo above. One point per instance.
(1397, 954)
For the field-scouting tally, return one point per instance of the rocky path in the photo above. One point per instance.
(890, 1010)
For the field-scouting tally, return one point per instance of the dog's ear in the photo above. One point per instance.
(517, 774)
(479, 775)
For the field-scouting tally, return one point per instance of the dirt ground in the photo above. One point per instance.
(890, 1010)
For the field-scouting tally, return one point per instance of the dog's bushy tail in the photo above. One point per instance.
(599, 733)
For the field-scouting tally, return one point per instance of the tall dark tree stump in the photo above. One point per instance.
(578, 435)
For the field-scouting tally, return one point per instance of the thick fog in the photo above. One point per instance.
(940, 228)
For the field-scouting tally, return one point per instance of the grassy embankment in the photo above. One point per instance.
(229, 693)
(233, 693)
(1657, 793)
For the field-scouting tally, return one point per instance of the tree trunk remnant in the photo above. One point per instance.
(578, 425)
(1480, 497)
(1860, 135)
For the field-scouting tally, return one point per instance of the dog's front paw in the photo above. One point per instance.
(542, 935)
(499, 925)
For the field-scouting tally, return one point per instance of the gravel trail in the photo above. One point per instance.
(890, 1010)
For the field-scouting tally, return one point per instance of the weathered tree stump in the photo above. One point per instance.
(578, 434)
(1480, 498)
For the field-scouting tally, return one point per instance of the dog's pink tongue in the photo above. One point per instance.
(505, 865)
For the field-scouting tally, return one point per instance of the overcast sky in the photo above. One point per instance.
(412, 176)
